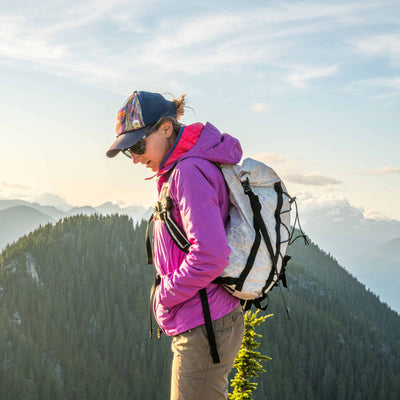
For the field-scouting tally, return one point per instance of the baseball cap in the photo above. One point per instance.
(139, 112)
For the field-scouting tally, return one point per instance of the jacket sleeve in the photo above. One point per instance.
(194, 189)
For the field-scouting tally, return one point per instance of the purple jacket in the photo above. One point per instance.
(200, 206)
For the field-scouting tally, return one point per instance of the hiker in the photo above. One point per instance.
(149, 133)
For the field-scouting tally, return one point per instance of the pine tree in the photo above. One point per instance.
(247, 361)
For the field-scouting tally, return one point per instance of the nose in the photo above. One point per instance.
(135, 158)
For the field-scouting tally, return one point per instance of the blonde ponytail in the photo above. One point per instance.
(180, 106)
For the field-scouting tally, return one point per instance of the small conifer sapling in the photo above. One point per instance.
(247, 362)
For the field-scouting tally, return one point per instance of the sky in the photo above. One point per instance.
(311, 88)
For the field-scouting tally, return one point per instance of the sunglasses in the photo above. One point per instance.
(138, 148)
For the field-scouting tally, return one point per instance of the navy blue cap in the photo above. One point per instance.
(138, 113)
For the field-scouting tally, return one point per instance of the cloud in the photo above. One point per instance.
(13, 186)
(260, 107)
(270, 158)
(52, 199)
(387, 45)
(311, 203)
(286, 168)
(15, 191)
(70, 38)
(393, 83)
(312, 179)
(386, 170)
(302, 74)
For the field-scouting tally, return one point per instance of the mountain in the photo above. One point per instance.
(12, 203)
(11, 229)
(379, 269)
(54, 200)
(19, 220)
(109, 208)
(85, 210)
(137, 213)
(50, 211)
(389, 251)
(74, 322)
(342, 230)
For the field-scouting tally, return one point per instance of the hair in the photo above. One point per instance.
(180, 106)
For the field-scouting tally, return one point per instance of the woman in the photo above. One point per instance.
(148, 132)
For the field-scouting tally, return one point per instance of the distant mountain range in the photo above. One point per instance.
(368, 248)
(379, 268)
(18, 220)
(19, 217)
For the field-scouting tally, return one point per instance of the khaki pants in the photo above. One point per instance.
(194, 375)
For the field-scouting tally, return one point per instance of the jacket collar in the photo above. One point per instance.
(186, 139)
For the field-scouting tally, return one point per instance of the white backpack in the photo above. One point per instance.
(259, 229)
(258, 232)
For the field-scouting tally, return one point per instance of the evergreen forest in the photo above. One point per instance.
(74, 323)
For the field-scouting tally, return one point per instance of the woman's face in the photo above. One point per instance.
(157, 146)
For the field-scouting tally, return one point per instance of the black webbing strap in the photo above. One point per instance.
(177, 235)
(239, 282)
(282, 274)
(174, 230)
(278, 190)
(148, 244)
(209, 327)
(226, 280)
(257, 302)
(252, 256)
(256, 208)
(279, 203)
(157, 281)
(259, 226)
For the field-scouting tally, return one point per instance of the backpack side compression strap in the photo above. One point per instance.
(275, 257)
(259, 226)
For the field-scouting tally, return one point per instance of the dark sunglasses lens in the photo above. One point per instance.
(138, 148)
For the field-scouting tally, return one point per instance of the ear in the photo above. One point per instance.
(167, 129)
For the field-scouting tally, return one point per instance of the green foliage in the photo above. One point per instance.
(247, 361)
(74, 323)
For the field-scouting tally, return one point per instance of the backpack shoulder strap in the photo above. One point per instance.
(162, 211)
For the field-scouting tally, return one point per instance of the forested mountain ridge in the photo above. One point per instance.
(341, 341)
(74, 323)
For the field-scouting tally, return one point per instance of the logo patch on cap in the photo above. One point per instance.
(130, 116)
